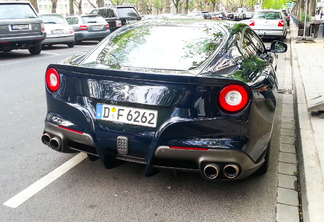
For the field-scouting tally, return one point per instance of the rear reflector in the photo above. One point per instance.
(72, 130)
(233, 98)
(188, 148)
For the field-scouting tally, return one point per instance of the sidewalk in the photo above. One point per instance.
(308, 74)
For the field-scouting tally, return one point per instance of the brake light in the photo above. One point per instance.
(71, 30)
(42, 27)
(83, 27)
(53, 79)
(233, 98)
(118, 23)
(281, 23)
(252, 23)
(107, 26)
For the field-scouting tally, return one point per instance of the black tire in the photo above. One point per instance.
(70, 44)
(265, 166)
(35, 50)
(92, 158)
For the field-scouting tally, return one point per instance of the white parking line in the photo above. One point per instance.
(30, 191)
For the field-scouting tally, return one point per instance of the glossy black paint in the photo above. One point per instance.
(187, 103)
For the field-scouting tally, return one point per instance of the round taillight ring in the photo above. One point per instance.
(233, 98)
(53, 79)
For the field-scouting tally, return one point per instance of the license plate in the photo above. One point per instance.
(20, 27)
(57, 32)
(129, 115)
(97, 27)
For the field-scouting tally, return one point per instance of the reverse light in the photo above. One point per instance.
(233, 98)
(83, 27)
(53, 79)
(252, 23)
(281, 23)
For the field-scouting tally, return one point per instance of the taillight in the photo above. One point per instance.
(42, 27)
(288, 17)
(53, 79)
(83, 27)
(118, 23)
(281, 23)
(107, 26)
(71, 30)
(252, 23)
(233, 98)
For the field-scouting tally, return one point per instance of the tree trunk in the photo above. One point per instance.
(141, 7)
(80, 7)
(34, 4)
(166, 6)
(185, 7)
(71, 7)
(54, 4)
(312, 7)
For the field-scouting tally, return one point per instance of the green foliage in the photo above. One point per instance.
(308, 18)
(273, 4)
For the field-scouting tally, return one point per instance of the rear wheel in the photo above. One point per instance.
(70, 44)
(35, 50)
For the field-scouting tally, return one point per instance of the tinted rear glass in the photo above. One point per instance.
(267, 15)
(53, 19)
(158, 47)
(16, 11)
(127, 12)
(93, 19)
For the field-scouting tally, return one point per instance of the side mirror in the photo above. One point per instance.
(278, 47)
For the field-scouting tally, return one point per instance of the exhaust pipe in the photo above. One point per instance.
(46, 139)
(211, 171)
(231, 171)
(55, 143)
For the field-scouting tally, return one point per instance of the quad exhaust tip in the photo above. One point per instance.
(231, 171)
(211, 171)
(54, 143)
(46, 139)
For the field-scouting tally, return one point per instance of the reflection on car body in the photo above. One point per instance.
(202, 99)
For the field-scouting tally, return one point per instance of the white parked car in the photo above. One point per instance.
(269, 24)
(57, 30)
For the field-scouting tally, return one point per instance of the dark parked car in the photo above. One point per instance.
(117, 16)
(202, 99)
(20, 27)
(88, 27)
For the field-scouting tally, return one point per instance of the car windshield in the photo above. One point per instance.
(93, 19)
(267, 15)
(53, 19)
(158, 47)
(127, 12)
(16, 11)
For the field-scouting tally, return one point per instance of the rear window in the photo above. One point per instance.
(16, 11)
(158, 47)
(267, 15)
(53, 19)
(127, 12)
(93, 19)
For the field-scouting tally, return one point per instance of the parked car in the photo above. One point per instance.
(269, 24)
(57, 30)
(117, 16)
(88, 27)
(287, 16)
(218, 15)
(202, 99)
(20, 27)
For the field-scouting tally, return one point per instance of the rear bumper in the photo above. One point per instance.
(270, 33)
(58, 40)
(20, 42)
(85, 35)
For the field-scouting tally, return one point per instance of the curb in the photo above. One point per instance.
(312, 191)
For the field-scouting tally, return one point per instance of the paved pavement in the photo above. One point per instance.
(308, 77)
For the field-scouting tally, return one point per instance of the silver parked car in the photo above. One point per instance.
(269, 24)
(57, 30)
(88, 27)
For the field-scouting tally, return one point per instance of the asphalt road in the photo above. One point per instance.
(89, 192)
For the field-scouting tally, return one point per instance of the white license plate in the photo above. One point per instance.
(97, 27)
(57, 32)
(20, 27)
(129, 115)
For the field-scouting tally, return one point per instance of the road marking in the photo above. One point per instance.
(30, 191)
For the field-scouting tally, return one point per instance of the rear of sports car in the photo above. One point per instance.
(111, 104)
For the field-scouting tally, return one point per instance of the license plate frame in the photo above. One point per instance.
(19, 27)
(128, 115)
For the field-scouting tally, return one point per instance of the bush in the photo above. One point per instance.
(308, 19)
